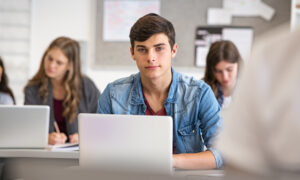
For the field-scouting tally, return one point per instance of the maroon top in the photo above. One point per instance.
(58, 115)
(149, 110)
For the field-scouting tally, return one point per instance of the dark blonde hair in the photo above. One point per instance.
(224, 50)
(4, 82)
(71, 81)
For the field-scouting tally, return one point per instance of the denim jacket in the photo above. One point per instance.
(191, 103)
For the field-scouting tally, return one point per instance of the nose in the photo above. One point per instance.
(151, 55)
(52, 64)
(225, 76)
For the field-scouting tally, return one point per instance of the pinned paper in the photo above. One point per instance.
(249, 8)
(218, 16)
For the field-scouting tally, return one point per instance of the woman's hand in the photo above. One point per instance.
(74, 138)
(56, 138)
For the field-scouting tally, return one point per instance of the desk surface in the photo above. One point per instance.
(38, 153)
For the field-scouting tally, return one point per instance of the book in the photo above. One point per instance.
(64, 147)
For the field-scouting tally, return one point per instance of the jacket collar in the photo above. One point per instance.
(137, 94)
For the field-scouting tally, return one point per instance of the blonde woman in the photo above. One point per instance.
(60, 84)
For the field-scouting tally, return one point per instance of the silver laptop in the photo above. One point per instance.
(126, 142)
(24, 126)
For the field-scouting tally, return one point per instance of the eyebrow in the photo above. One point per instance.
(160, 44)
(156, 45)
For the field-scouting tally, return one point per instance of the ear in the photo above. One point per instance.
(174, 50)
(132, 53)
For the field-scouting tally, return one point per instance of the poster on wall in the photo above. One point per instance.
(242, 37)
(120, 15)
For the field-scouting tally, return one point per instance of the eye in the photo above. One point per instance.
(59, 63)
(229, 70)
(50, 58)
(218, 71)
(159, 48)
(142, 50)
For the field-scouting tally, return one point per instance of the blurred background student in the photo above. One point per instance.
(60, 84)
(262, 132)
(223, 62)
(6, 94)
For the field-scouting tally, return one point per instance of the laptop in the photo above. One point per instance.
(134, 143)
(24, 126)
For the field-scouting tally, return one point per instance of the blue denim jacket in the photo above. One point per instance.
(191, 103)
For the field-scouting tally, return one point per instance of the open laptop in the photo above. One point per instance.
(126, 142)
(24, 126)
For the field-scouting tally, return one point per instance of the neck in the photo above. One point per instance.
(156, 87)
(227, 90)
(58, 90)
(56, 83)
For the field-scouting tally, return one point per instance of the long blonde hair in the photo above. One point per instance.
(71, 80)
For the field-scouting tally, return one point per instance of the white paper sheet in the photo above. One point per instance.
(218, 16)
(120, 15)
(249, 8)
(242, 38)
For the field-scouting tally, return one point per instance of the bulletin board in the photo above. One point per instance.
(186, 16)
(242, 37)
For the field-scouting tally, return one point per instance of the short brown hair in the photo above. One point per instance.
(149, 25)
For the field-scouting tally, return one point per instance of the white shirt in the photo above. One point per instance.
(262, 126)
(6, 99)
(226, 102)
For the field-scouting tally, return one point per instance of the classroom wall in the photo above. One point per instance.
(33, 24)
(15, 42)
(53, 18)
(185, 15)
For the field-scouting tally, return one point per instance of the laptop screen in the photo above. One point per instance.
(126, 142)
(24, 126)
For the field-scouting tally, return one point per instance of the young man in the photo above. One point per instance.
(159, 90)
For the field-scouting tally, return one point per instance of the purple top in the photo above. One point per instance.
(58, 115)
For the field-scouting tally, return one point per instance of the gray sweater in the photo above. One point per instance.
(87, 104)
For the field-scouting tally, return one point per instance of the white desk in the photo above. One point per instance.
(38, 153)
(20, 163)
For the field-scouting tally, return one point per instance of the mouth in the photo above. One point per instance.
(49, 71)
(152, 67)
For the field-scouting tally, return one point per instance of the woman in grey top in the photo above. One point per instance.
(60, 84)
(6, 94)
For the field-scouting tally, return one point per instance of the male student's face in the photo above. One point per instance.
(153, 56)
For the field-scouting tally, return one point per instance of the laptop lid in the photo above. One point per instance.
(24, 126)
(126, 142)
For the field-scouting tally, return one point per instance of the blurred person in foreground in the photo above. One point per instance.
(262, 130)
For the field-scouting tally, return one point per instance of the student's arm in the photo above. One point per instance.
(104, 102)
(201, 160)
(74, 138)
(57, 138)
(210, 124)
